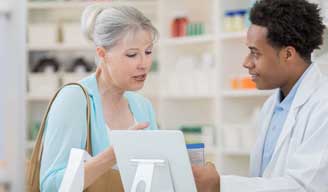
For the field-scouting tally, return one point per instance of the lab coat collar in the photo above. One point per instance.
(304, 92)
(308, 86)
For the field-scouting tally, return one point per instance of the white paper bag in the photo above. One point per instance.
(73, 179)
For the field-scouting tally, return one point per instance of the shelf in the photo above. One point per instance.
(188, 40)
(145, 5)
(232, 35)
(247, 93)
(38, 98)
(61, 47)
(184, 97)
(236, 152)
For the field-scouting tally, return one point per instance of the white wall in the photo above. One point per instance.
(12, 85)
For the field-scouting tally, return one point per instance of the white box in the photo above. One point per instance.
(43, 84)
(73, 77)
(42, 34)
(72, 34)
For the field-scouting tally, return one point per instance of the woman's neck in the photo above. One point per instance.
(108, 91)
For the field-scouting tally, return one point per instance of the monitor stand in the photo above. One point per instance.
(145, 171)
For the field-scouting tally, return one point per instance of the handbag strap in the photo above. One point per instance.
(38, 147)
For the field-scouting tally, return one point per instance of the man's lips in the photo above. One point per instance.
(254, 76)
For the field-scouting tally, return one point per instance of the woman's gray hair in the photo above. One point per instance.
(105, 25)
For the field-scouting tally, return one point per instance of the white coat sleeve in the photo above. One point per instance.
(307, 169)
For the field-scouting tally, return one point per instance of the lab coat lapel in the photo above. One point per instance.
(304, 92)
(256, 157)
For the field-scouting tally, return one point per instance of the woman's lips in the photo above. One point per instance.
(140, 77)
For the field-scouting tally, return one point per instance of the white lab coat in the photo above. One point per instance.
(300, 160)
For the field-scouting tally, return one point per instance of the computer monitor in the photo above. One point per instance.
(172, 172)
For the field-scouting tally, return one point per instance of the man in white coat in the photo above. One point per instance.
(291, 152)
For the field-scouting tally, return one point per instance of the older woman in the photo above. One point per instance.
(123, 37)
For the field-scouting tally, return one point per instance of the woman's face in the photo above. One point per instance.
(127, 64)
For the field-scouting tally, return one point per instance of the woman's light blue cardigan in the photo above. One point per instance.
(66, 128)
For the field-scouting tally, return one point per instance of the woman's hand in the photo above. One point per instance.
(104, 161)
(207, 178)
(139, 126)
(136, 127)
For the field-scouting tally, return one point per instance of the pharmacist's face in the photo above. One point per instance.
(129, 61)
(264, 63)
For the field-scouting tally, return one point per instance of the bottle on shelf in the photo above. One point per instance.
(179, 25)
(228, 21)
(234, 20)
(242, 82)
(239, 20)
(195, 28)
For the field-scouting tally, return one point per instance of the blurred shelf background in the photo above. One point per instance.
(197, 84)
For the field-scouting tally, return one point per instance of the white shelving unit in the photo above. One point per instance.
(220, 107)
(188, 40)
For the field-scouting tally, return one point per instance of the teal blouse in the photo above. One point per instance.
(66, 128)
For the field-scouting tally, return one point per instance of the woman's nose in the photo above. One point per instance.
(143, 63)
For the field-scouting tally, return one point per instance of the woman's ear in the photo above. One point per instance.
(101, 53)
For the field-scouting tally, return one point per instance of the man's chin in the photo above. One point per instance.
(263, 87)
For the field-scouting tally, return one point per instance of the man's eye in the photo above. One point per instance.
(254, 54)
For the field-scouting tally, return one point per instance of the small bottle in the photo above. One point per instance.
(183, 26)
(228, 21)
(179, 25)
(175, 27)
(199, 30)
(239, 20)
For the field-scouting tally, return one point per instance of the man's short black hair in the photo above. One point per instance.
(294, 23)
